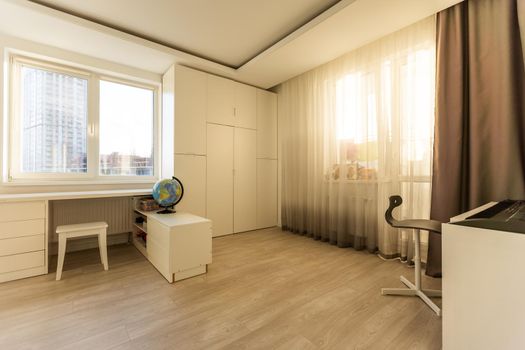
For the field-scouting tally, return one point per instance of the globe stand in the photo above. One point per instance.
(167, 210)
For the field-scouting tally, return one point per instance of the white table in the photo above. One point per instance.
(483, 287)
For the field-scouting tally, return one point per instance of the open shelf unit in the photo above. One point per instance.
(140, 227)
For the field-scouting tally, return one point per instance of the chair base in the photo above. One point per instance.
(412, 290)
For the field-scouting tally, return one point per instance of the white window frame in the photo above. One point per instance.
(92, 176)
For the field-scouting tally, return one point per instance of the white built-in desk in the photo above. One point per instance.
(24, 229)
(52, 196)
(178, 245)
(483, 287)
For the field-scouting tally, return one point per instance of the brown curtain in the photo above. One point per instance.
(479, 150)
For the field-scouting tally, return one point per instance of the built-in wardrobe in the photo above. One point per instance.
(224, 140)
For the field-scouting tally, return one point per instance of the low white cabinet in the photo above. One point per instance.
(178, 244)
(23, 239)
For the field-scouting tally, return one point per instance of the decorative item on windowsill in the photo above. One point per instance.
(148, 204)
(357, 162)
(167, 193)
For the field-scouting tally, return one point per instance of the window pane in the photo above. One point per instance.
(126, 130)
(417, 108)
(356, 103)
(54, 119)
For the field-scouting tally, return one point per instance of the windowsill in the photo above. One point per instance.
(66, 195)
(30, 183)
(418, 179)
(354, 181)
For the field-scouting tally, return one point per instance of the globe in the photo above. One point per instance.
(167, 193)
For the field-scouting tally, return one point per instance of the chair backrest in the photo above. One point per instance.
(395, 201)
(418, 224)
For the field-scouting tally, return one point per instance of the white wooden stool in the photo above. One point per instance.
(81, 230)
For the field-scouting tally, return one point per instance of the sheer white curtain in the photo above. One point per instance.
(355, 131)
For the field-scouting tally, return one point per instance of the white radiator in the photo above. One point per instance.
(117, 212)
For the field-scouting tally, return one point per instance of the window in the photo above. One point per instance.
(126, 129)
(357, 130)
(384, 117)
(356, 108)
(73, 124)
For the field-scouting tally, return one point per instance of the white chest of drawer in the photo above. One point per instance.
(179, 245)
(23, 239)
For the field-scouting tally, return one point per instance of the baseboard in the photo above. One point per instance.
(74, 245)
(16, 275)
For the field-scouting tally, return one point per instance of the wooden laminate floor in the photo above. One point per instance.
(266, 289)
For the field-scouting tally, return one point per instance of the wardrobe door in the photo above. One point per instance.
(245, 180)
(266, 193)
(221, 101)
(190, 111)
(266, 124)
(191, 171)
(219, 178)
(245, 106)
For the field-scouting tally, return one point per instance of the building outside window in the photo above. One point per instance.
(75, 124)
(54, 122)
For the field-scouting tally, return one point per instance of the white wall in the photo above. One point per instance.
(13, 44)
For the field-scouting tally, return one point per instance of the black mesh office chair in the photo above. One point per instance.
(417, 225)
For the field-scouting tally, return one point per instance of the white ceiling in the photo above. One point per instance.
(212, 35)
(229, 32)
